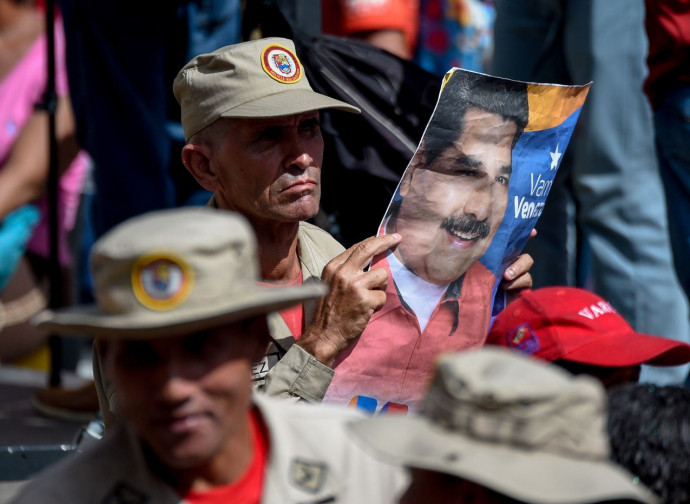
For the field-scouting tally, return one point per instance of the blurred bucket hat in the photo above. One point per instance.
(567, 323)
(516, 425)
(174, 272)
(259, 78)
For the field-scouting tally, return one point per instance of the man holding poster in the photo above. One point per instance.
(448, 207)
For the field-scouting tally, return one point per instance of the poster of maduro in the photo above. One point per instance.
(465, 207)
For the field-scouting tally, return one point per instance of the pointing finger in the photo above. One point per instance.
(364, 251)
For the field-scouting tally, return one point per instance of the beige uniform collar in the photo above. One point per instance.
(294, 474)
(310, 263)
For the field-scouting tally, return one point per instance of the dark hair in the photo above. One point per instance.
(649, 427)
(466, 90)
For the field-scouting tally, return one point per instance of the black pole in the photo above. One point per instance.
(50, 103)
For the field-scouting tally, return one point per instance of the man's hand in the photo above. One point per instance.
(354, 296)
(517, 276)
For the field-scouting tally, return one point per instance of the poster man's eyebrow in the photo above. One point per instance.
(468, 161)
(506, 170)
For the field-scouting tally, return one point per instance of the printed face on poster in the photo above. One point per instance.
(454, 194)
(464, 207)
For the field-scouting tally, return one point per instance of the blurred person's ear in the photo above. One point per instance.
(196, 157)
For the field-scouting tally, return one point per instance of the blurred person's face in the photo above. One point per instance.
(608, 376)
(451, 209)
(187, 397)
(431, 486)
(269, 169)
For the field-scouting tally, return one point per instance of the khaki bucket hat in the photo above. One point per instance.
(172, 272)
(510, 423)
(260, 78)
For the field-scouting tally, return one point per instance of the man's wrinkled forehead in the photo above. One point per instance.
(281, 121)
(233, 126)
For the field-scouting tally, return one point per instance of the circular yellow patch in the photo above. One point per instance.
(281, 64)
(162, 280)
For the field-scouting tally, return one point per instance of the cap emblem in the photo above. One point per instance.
(161, 281)
(523, 340)
(281, 64)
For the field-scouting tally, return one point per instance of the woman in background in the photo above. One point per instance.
(24, 160)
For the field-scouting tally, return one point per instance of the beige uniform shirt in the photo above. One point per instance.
(311, 459)
(287, 371)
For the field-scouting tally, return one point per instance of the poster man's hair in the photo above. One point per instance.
(466, 90)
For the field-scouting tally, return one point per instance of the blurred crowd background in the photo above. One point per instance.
(610, 225)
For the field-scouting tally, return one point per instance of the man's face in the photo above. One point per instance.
(270, 169)
(187, 397)
(451, 209)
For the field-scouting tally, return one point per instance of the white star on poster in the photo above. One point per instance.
(555, 156)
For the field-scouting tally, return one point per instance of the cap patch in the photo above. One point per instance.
(281, 64)
(523, 340)
(161, 281)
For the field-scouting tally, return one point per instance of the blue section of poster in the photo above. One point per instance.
(536, 158)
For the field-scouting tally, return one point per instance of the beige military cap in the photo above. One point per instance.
(172, 272)
(260, 78)
(511, 423)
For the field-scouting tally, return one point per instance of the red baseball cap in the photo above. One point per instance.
(566, 323)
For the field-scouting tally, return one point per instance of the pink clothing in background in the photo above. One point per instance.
(20, 91)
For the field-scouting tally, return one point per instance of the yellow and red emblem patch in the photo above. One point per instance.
(281, 64)
(523, 339)
(162, 280)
